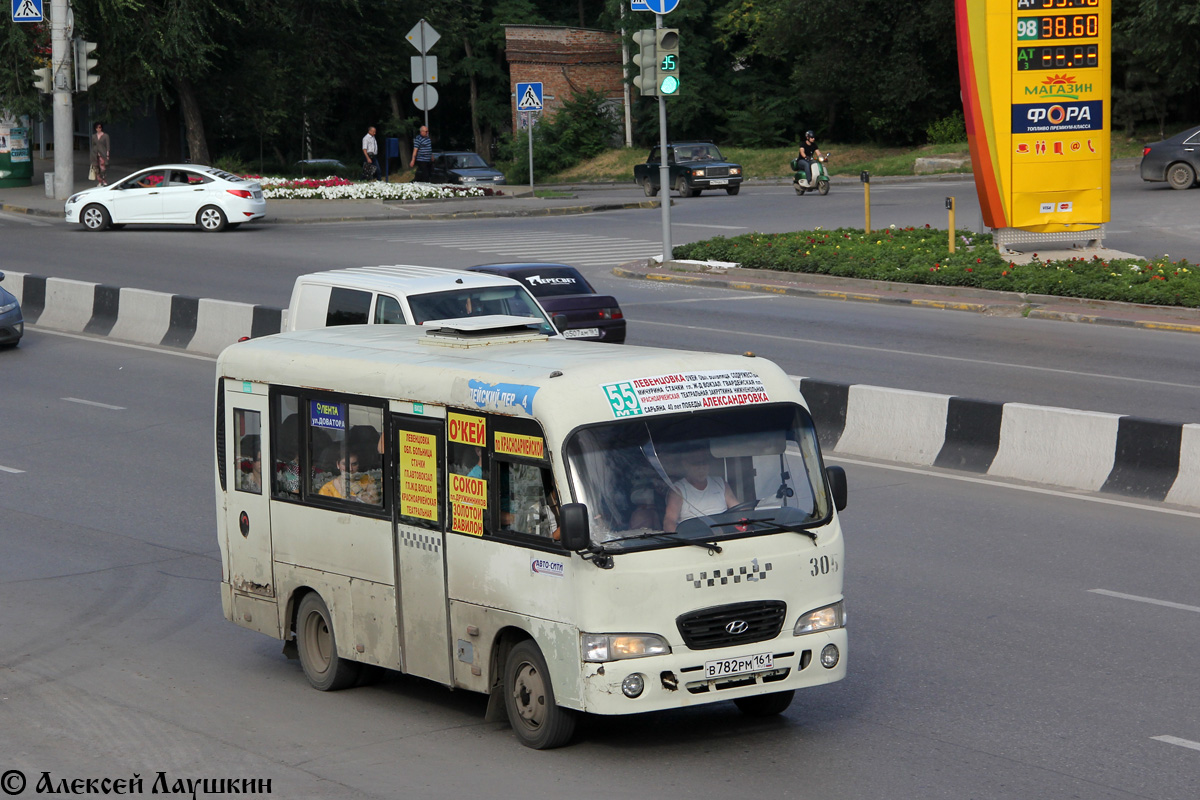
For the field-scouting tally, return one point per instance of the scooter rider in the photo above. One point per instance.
(809, 152)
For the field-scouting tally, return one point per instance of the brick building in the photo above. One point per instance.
(566, 61)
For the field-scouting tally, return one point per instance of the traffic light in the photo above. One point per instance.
(84, 77)
(43, 80)
(645, 63)
(666, 69)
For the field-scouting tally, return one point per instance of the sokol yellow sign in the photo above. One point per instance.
(1036, 88)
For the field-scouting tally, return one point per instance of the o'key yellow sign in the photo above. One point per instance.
(1036, 87)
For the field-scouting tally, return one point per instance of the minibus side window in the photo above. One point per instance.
(247, 453)
(388, 311)
(285, 444)
(525, 500)
(343, 452)
(469, 468)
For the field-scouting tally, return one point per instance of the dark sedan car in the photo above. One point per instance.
(12, 324)
(464, 167)
(562, 290)
(1175, 160)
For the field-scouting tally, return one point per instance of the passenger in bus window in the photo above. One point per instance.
(697, 493)
(250, 464)
(528, 500)
(348, 482)
(287, 464)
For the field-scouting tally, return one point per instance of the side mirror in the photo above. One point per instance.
(837, 486)
(575, 527)
(560, 321)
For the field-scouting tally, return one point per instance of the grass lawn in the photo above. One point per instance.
(847, 159)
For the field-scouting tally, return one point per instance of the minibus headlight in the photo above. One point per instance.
(822, 619)
(615, 646)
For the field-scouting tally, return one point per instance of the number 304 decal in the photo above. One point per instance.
(822, 566)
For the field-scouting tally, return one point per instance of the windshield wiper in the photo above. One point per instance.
(674, 537)
(767, 521)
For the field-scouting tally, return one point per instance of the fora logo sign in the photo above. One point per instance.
(1053, 117)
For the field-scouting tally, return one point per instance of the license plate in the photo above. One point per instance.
(725, 667)
(580, 333)
(718, 181)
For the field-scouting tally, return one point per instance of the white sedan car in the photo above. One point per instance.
(171, 194)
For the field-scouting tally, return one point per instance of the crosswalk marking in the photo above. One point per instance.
(579, 249)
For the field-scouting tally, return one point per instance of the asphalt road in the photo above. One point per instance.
(1005, 642)
(1145, 373)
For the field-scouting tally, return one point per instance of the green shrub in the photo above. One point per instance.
(581, 129)
(922, 256)
(947, 130)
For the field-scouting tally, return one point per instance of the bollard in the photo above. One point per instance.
(950, 209)
(865, 177)
(49, 184)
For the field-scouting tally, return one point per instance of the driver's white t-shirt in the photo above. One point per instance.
(701, 502)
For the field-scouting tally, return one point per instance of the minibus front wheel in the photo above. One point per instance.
(529, 698)
(318, 647)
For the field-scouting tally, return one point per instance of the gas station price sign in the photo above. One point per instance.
(1036, 87)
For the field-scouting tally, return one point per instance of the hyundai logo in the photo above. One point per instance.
(737, 626)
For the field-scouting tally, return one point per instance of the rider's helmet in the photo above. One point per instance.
(809, 135)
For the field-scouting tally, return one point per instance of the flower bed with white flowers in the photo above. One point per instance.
(333, 188)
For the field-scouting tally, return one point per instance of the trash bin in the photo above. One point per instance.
(391, 147)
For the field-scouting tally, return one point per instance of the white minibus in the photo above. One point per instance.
(567, 527)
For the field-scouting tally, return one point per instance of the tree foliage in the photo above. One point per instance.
(280, 79)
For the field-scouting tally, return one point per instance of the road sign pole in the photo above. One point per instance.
(64, 161)
(664, 171)
(529, 133)
(425, 81)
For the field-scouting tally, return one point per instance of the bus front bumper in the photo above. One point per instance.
(678, 679)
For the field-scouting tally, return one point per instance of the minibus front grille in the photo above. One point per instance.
(738, 623)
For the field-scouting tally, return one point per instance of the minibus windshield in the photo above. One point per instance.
(724, 473)
(479, 301)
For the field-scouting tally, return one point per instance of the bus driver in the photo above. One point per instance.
(697, 494)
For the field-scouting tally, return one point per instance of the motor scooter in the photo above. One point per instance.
(820, 178)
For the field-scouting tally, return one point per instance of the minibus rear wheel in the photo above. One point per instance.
(318, 647)
(765, 705)
(529, 698)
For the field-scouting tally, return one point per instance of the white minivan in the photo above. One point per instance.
(404, 294)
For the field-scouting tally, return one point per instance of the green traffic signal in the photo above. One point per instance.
(666, 48)
(670, 85)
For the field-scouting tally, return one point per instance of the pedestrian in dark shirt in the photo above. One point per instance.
(422, 155)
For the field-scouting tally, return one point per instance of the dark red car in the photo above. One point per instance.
(564, 292)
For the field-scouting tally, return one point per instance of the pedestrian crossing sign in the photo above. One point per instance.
(27, 10)
(529, 96)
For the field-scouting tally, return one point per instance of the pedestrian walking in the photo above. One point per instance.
(422, 155)
(370, 150)
(101, 146)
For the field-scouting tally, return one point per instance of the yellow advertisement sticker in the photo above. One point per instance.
(467, 519)
(418, 475)
(516, 444)
(464, 429)
(468, 491)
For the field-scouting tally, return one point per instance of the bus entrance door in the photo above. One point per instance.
(247, 508)
(421, 546)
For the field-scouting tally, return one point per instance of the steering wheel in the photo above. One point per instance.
(749, 505)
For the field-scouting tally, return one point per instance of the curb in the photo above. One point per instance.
(827, 294)
(33, 212)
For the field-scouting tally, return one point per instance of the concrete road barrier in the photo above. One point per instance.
(1082, 450)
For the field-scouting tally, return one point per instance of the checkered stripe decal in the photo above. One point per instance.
(421, 541)
(737, 574)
